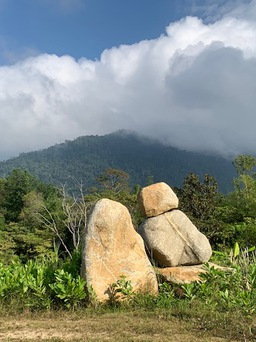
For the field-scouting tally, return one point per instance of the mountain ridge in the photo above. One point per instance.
(85, 157)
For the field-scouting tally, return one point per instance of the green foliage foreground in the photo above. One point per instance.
(51, 283)
(43, 283)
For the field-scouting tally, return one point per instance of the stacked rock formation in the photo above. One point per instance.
(170, 237)
(113, 249)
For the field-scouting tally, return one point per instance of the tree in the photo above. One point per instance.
(113, 179)
(113, 184)
(17, 185)
(237, 210)
(69, 221)
(199, 198)
(199, 201)
(244, 164)
(245, 185)
(21, 198)
(36, 217)
(2, 195)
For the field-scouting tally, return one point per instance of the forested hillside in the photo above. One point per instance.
(86, 157)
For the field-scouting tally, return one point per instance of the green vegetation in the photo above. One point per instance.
(142, 158)
(41, 229)
(36, 219)
(222, 304)
(42, 283)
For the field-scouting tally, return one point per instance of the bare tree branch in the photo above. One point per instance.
(75, 213)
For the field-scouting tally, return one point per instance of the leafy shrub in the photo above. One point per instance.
(70, 290)
(41, 284)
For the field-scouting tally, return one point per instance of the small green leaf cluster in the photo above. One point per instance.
(166, 296)
(122, 288)
(70, 290)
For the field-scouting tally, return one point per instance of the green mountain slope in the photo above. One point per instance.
(86, 157)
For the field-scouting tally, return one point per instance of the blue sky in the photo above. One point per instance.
(81, 28)
(180, 71)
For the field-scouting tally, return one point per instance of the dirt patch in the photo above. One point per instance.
(104, 327)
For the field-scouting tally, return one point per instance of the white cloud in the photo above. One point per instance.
(212, 10)
(193, 88)
(11, 53)
(243, 9)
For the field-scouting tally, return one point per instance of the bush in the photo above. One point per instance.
(41, 284)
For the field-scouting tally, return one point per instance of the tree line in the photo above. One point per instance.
(41, 219)
(86, 157)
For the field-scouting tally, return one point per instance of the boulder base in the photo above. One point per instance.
(181, 274)
(187, 274)
(114, 249)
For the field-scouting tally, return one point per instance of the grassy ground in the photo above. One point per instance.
(221, 308)
(118, 325)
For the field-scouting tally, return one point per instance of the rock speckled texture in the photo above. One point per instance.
(112, 249)
(173, 240)
(156, 199)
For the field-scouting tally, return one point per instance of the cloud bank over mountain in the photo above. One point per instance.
(193, 88)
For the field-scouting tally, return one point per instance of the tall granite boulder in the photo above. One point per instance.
(113, 249)
(156, 199)
(173, 240)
